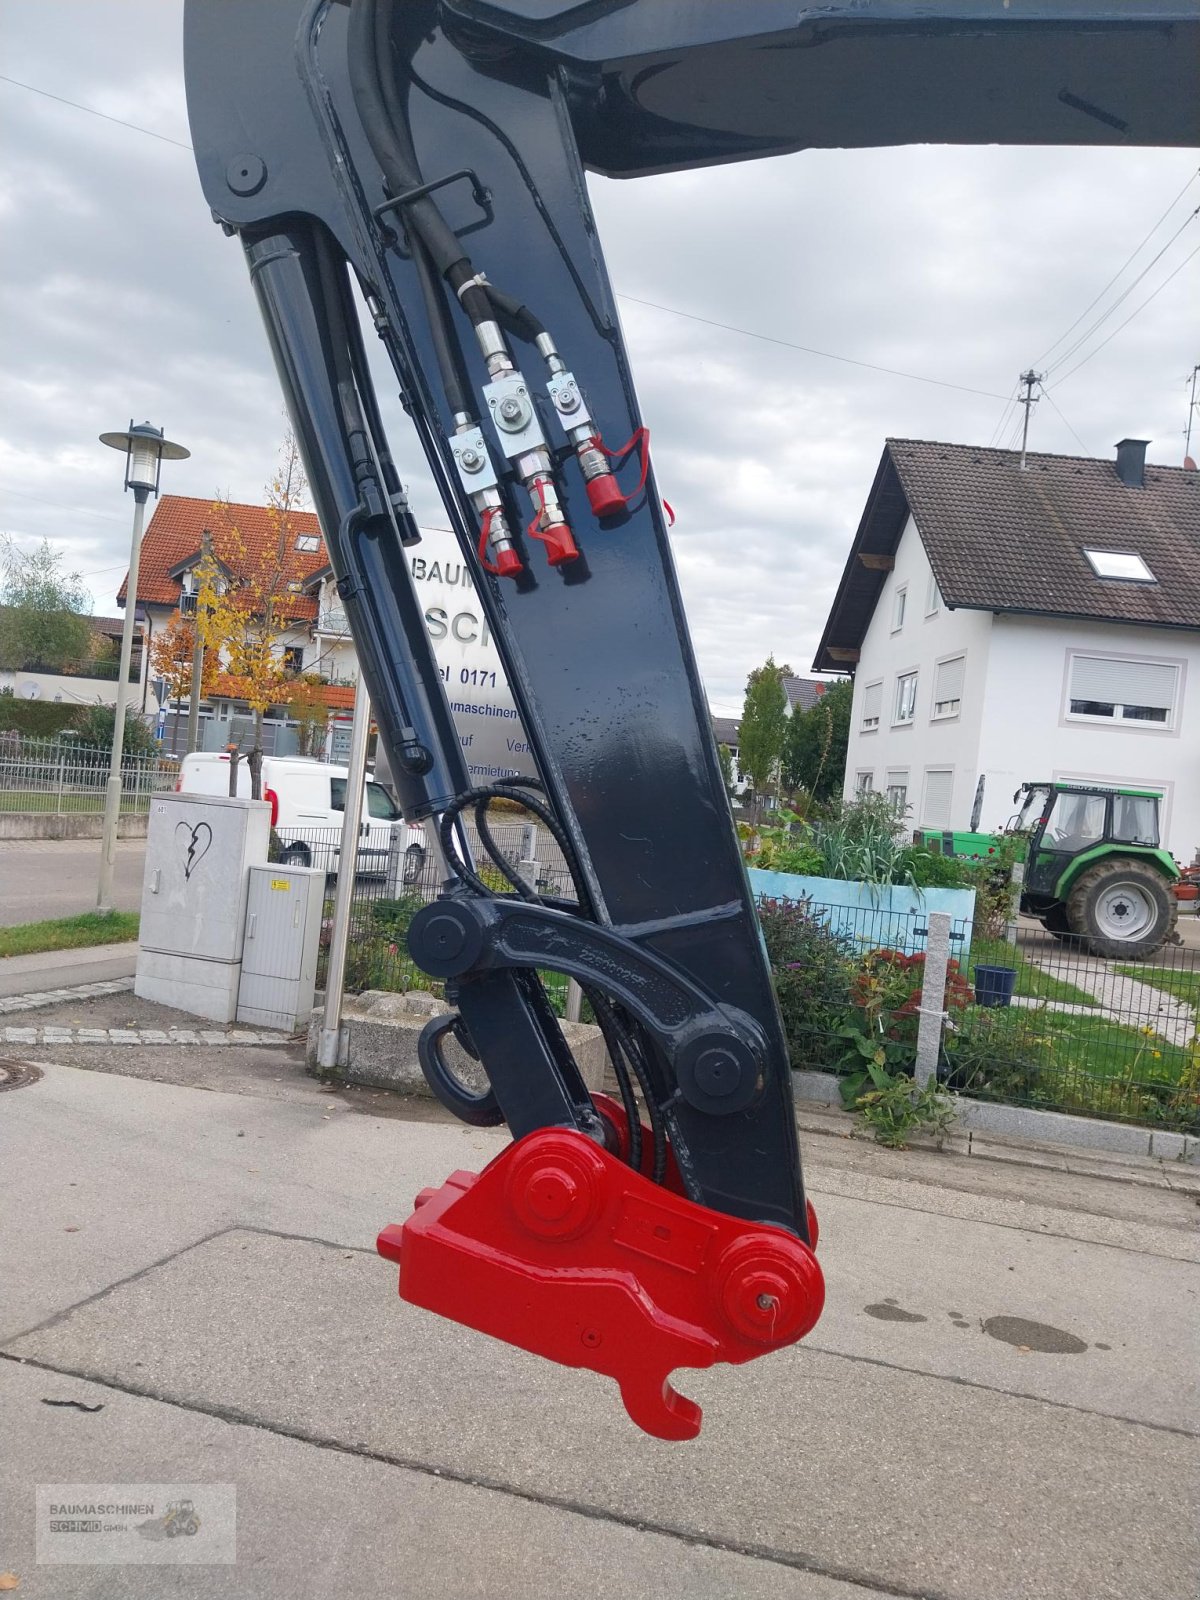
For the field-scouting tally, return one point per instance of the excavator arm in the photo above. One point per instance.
(425, 159)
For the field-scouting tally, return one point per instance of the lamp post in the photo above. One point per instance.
(145, 450)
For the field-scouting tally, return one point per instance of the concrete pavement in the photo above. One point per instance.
(42, 878)
(67, 969)
(200, 1263)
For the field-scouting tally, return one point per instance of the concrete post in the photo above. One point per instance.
(1017, 880)
(574, 1010)
(933, 998)
(112, 793)
(329, 1043)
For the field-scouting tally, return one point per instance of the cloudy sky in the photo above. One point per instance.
(120, 298)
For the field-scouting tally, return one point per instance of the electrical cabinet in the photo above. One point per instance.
(199, 849)
(284, 909)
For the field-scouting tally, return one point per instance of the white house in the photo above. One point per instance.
(1011, 624)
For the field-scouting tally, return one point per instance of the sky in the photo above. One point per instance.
(119, 298)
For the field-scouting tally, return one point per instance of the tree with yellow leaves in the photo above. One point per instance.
(244, 599)
(172, 658)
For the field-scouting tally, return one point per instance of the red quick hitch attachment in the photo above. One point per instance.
(559, 1248)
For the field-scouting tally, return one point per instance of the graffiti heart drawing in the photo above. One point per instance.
(196, 842)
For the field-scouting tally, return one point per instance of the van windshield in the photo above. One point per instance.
(379, 802)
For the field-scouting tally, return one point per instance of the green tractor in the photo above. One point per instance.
(1094, 868)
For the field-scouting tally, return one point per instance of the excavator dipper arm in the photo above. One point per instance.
(431, 153)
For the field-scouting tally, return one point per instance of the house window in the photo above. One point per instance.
(897, 792)
(933, 597)
(1125, 565)
(309, 543)
(906, 697)
(948, 687)
(1111, 690)
(293, 658)
(899, 605)
(872, 706)
(864, 782)
(939, 791)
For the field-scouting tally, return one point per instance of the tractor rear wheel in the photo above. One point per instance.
(1122, 907)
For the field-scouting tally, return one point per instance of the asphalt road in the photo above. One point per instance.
(42, 878)
(998, 1404)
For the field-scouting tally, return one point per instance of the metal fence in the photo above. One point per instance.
(390, 885)
(58, 776)
(1030, 1020)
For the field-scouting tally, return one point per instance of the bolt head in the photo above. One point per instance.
(510, 409)
(568, 398)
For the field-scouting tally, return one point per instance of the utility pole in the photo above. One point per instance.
(1028, 400)
(1187, 443)
(193, 731)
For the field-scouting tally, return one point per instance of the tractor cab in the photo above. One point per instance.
(1064, 822)
(1094, 866)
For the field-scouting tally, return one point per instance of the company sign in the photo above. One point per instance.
(493, 740)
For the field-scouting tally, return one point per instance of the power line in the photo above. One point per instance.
(92, 112)
(1065, 423)
(1130, 317)
(1120, 269)
(788, 344)
(1124, 295)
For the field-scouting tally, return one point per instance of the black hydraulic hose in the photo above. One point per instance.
(386, 125)
(399, 169)
(445, 347)
(516, 316)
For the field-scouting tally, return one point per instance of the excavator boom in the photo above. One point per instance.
(427, 157)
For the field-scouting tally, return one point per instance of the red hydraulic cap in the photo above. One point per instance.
(561, 1249)
(604, 496)
(559, 542)
(507, 563)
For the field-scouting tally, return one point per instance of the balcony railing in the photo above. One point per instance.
(332, 619)
(106, 671)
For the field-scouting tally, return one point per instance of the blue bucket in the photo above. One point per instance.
(994, 985)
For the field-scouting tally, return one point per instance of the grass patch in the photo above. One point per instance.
(69, 933)
(1032, 982)
(1183, 984)
(48, 801)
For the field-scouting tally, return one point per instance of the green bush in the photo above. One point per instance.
(997, 1051)
(812, 971)
(36, 719)
(94, 729)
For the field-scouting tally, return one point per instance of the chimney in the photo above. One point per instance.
(1131, 462)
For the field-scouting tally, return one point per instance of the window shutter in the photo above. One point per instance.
(1128, 683)
(872, 701)
(939, 788)
(949, 684)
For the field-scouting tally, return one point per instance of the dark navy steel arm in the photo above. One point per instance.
(521, 95)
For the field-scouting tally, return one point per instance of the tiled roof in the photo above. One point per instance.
(803, 693)
(1002, 539)
(175, 534)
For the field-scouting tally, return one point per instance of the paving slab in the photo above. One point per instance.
(307, 1513)
(212, 1253)
(843, 1464)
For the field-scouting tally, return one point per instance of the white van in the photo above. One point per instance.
(307, 799)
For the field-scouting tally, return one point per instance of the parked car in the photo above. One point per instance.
(307, 800)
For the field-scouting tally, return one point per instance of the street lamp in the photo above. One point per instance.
(146, 448)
